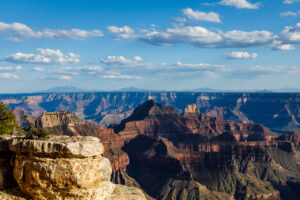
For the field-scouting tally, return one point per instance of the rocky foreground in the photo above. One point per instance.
(59, 167)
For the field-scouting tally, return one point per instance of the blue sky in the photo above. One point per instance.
(171, 45)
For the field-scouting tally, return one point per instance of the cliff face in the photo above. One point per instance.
(66, 123)
(236, 160)
(64, 167)
(277, 111)
(196, 156)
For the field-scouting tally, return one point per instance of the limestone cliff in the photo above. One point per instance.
(64, 167)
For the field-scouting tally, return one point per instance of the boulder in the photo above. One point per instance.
(64, 167)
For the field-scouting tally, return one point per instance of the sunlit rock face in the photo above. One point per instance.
(65, 167)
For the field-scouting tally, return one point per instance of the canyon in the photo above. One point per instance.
(190, 154)
(279, 112)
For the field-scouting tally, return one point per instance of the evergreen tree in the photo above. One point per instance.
(8, 123)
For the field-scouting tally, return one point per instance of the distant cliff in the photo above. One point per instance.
(278, 111)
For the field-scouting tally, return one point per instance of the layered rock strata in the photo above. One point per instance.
(196, 156)
(64, 167)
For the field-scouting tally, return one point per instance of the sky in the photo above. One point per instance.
(149, 44)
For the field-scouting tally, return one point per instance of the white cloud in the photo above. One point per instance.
(240, 4)
(43, 56)
(11, 68)
(18, 31)
(8, 76)
(138, 58)
(289, 13)
(201, 37)
(89, 69)
(210, 74)
(277, 45)
(267, 69)
(186, 34)
(290, 1)
(77, 70)
(202, 16)
(39, 69)
(117, 75)
(240, 55)
(246, 39)
(14, 39)
(64, 77)
(123, 32)
(291, 34)
(121, 60)
(202, 66)
(284, 47)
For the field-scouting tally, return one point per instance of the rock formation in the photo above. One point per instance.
(194, 155)
(63, 167)
(227, 160)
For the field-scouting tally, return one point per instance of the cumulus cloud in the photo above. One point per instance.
(201, 37)
(240, 4)
(121, 60)
(123, 32)
(11, 68)
(18, 31)
(290, 1)
(284, 47)
(8, 76)
(43, 56)
(291, 34)
(240, 55)
(202, 16)
(277, 45)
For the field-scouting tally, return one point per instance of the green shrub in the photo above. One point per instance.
(34, 132)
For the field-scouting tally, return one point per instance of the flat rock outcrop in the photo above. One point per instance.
(58, 146)
(63, 167)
